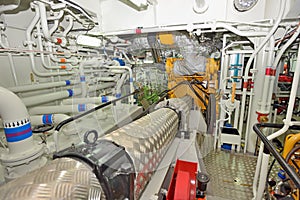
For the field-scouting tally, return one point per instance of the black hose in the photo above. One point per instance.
(191, 87)
(66, 121)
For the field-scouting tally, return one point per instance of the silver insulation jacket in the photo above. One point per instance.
(182, 105)
(63, 178)
(146, 140)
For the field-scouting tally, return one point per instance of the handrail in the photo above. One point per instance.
(267, 144)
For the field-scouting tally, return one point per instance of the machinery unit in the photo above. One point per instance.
(149, 99)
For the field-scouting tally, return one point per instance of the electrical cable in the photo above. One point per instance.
(191, 87)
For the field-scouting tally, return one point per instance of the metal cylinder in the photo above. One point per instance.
(146, 140)
(118, 166)
(63, 178)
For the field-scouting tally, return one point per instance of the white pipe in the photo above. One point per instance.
(69, 27)
(57, 17)
(74, 108)
(16, 122)
(208, 25)
(267, 80)
(40, 86)
(45, 98)
(82, 80)
(263, 176)
(248, 65)
(287, 121)
(48, 119)
(43, 15)
(200, 6)
(130, 78)
(257, 170)
(4, 8)
(54, 27)
(94, 100)
(285, 46)
(120, 83)
(10, 58)
(30, 47)
(292, 98)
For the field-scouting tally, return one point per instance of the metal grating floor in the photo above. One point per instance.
(231, 175)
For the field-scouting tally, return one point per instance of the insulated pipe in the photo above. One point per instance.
(287, 121)
(45, 98)
(16, 122)
(263, 107)
(54, 27)
(69, 27)
(93, 100)
(130, 78)
(48, 119)
(43, 15)
(82, 80)
(292, 98)
(40, 86)
(276, 61)
(263, 176)
(57, 17)
(40, 99)
(30, 47)
(248, 65)
(74, 108)
(10, 57)
(146, 140)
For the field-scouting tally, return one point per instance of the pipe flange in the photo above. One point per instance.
(11, 160)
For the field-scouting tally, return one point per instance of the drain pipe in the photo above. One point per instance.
(23, 155)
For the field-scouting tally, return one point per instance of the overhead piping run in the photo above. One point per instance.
(29, 42)
(79, 8)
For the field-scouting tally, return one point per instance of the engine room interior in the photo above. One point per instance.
(150, 99)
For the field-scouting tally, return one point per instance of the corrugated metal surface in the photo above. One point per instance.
(146, 140)
(60, 179)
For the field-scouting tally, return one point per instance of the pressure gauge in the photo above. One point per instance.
(244, 5)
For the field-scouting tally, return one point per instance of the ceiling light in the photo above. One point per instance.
(244, 5)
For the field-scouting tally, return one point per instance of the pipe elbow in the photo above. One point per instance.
(12, 108)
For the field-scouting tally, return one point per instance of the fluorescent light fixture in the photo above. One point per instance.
(85, 40)
(138, 5)
(244, 5)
